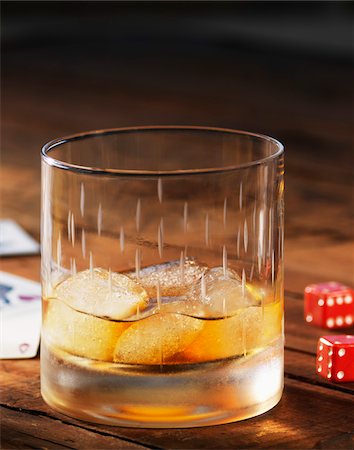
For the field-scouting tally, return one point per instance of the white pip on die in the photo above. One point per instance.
(335, 357)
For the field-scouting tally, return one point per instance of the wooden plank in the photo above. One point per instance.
(25, 430)
(302, 366)
(319, 227)
(24, 266)
(23, 375)
(21, 391)
(20, 196)
(289, 425)
(311, 260)
(296, 279)
(298, 333)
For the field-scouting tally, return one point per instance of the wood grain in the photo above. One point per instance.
(306, 104)
(289, 425)
(27, 430)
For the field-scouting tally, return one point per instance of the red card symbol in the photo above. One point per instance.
(24, 347)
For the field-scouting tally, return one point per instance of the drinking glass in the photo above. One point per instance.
(162, 275)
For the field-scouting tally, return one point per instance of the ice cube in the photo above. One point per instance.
(247, 330)
(221, 292)
(174, 279)
(157, 339)
(102, 294)
(75, 320)
(186, 306)
(79, 333)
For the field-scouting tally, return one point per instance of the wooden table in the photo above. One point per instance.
(304, 103)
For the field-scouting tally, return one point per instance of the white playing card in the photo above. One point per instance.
(20, 316)
(15, 241)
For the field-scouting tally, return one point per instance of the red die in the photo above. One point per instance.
(329, 305)
(335, 357)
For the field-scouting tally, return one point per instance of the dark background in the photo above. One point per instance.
(279, 68)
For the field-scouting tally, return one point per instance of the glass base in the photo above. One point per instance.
(176, 396)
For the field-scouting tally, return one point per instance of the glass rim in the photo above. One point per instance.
(130, 172)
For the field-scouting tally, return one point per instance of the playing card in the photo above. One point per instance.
(20, 316)
(15, 241)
